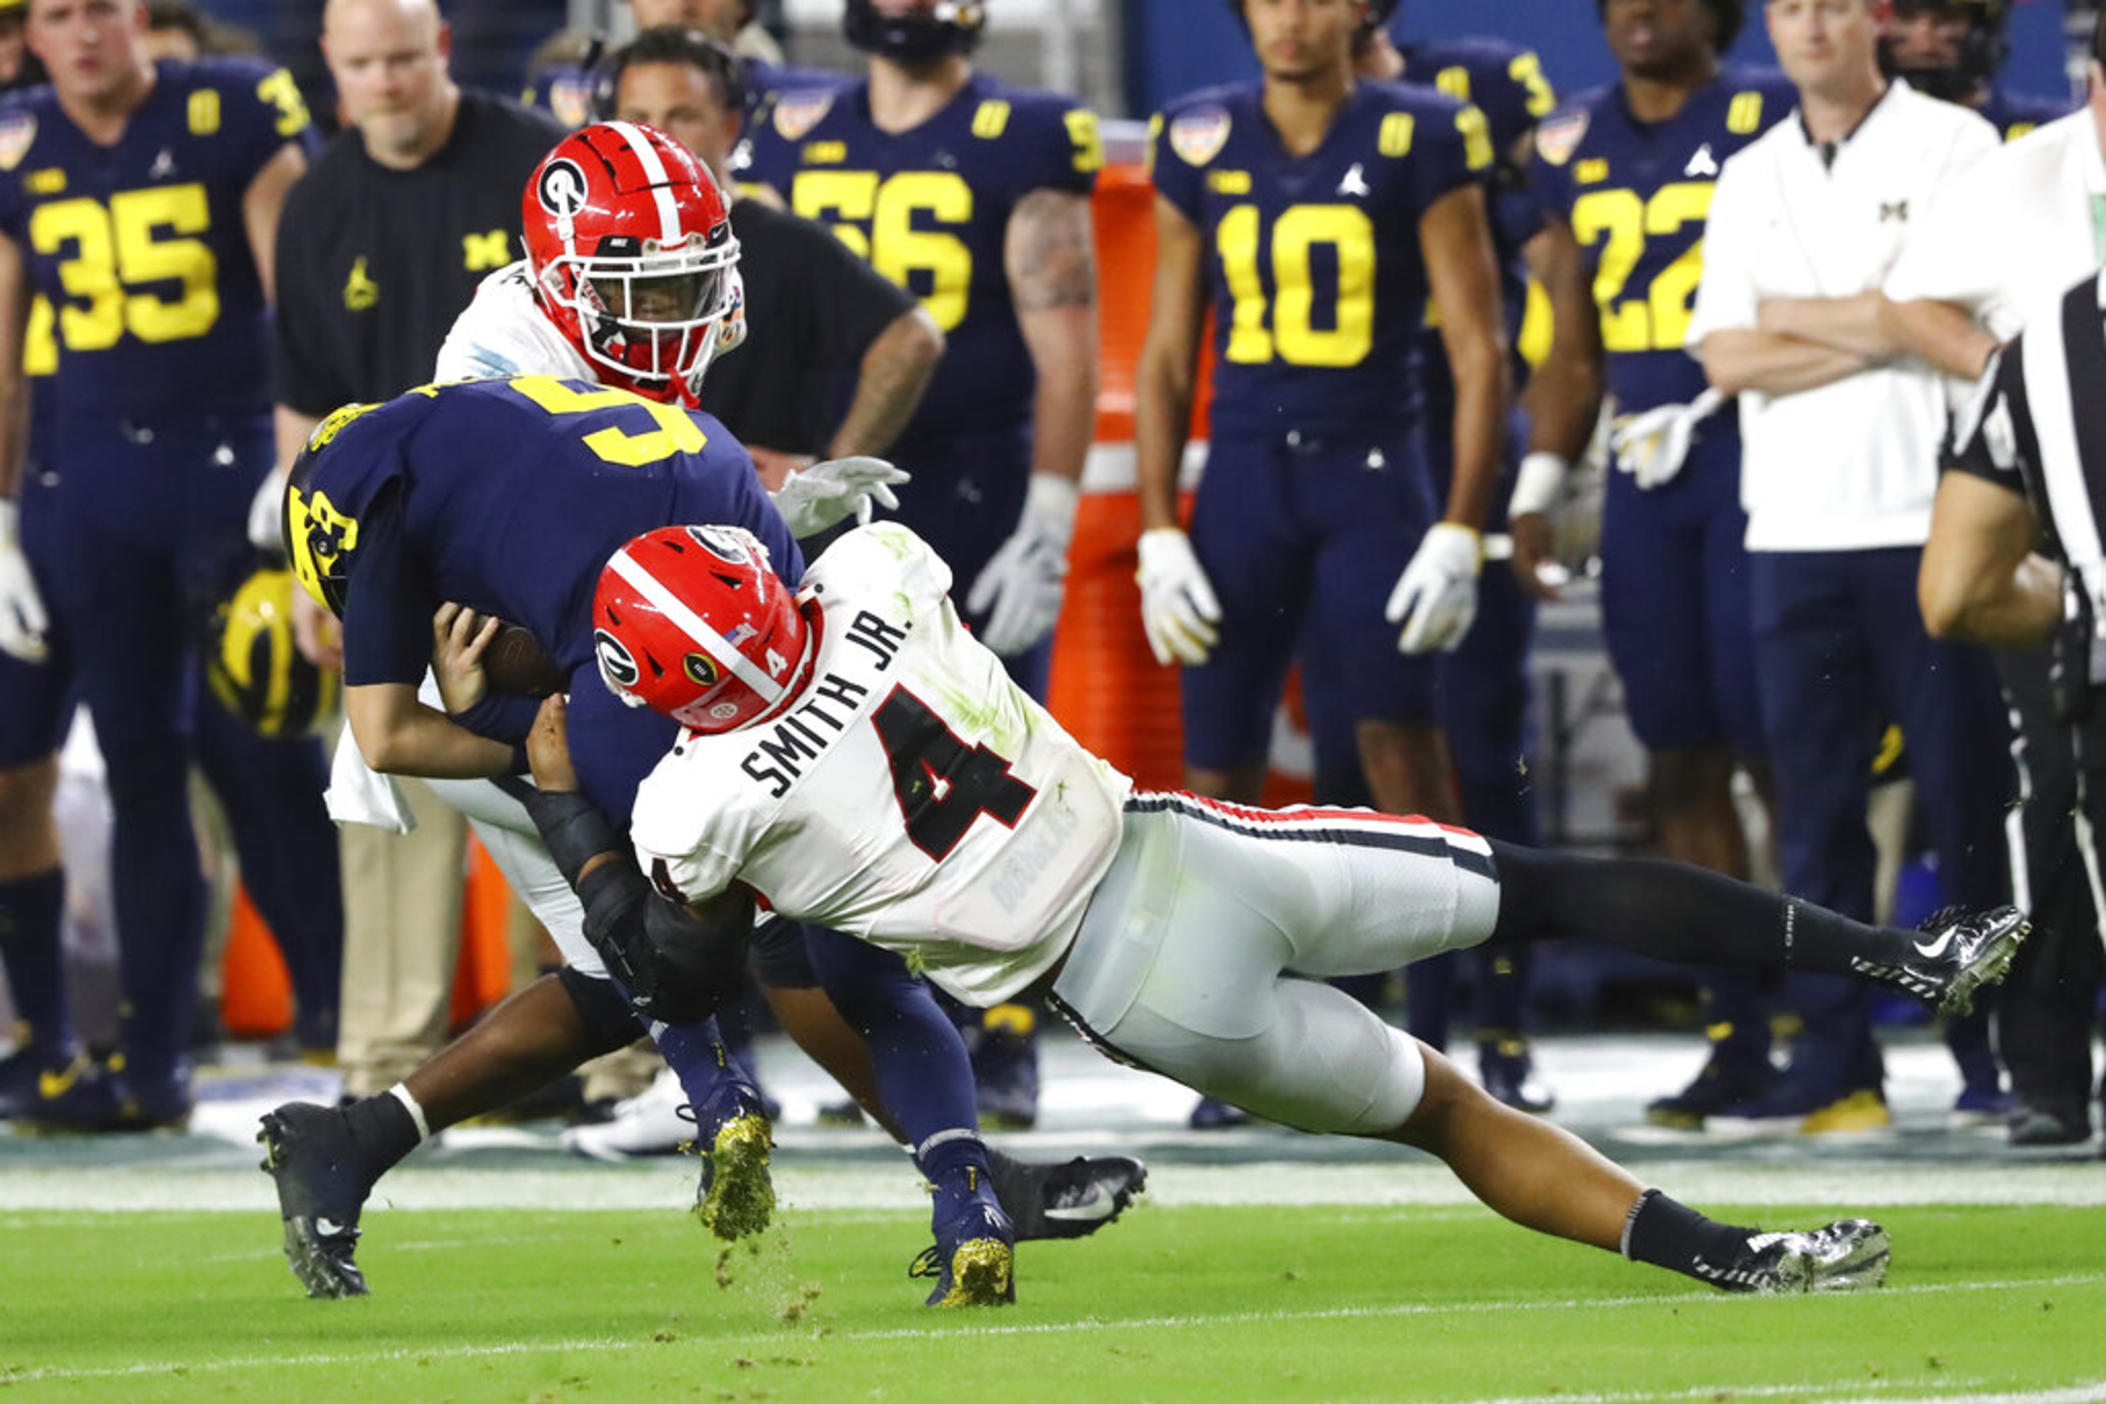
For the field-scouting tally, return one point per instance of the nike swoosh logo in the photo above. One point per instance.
(1931, 950)
(328, 1228)
(1098, 1206)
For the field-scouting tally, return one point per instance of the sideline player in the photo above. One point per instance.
(141, 200)
(1625, 175)
(975, 195)
(930, 794)
(1481, 696)
(1952, 49)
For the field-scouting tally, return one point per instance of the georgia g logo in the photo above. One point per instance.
(561, 188)
(617, 666)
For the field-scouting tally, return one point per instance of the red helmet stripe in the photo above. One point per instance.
(693, 625)
(656, 176)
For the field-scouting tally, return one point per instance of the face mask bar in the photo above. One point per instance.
(652, 319)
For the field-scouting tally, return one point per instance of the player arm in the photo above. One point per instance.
(1049, 254)
(15, 299)
(263, 203)
(1980, 579)
(1564, 394)
(399, 735)
(890, 381)
(1463, 272)
(1167, 369)
(677, 960)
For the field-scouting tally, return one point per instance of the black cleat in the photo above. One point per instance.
(1956, 954)
(1725, 1080)
(21, 1077)
(1846, 1256)
(1508, 1072)
(89, 1097)
(309, 1155)
(1073, 1200)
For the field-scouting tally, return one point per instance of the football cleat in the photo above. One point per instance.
(974, 1256)
(1955, 955)
(1726, 1080)
(736, 1197)
(1073, 1200)
(650, 1123)
(21, 1075)
(1509, 1075)
(1213, 1114)
(310, 1157)
(1846, 1256)
(86, 1097)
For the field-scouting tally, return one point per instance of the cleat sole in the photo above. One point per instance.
(740, 1201)
(1989, 968)
(983, 1273)
(324, 1269)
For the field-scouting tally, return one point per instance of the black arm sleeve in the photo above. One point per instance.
(677, 966)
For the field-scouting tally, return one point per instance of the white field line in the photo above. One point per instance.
(669, 1184)
(972, 1326)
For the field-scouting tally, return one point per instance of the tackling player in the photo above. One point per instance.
(1625, 176)
(975, 195)
(852, 755)
(141, 200)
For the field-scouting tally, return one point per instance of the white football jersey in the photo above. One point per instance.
(914, 797)
(504, 333)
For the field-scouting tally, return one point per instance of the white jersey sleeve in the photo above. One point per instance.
(504, 333)
(913, 796)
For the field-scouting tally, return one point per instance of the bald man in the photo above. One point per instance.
(381, 247)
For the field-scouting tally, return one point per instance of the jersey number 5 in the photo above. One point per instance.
(116, 251)
(934, 266)
(941, 783)
(1293, 335)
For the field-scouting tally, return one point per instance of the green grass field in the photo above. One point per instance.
(1196, 1303)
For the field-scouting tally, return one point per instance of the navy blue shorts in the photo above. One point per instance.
(1303, 543)
(1674, 605)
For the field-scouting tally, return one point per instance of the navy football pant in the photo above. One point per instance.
(1840, 647)
(144, 529)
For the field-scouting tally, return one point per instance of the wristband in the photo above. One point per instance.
(1538, 485)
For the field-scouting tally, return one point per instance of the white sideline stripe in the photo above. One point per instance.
(2089, 1393)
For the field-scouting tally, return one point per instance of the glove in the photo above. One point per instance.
(1018, 592)
(1651, 446)
(267, 514)
(814, 498)
(23, 623)
(1178, 608)
(1436, 596)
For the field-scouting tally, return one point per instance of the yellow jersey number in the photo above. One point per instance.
(117, 249)
(880, 220)
(1286, 330)
(1620, 223)
(677, 432)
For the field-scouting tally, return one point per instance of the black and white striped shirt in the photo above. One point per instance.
(2037, 426)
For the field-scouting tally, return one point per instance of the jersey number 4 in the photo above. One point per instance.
(117, 251)
(941, 783)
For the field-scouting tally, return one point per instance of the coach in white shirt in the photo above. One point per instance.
(2005, 238)
(1841, 428)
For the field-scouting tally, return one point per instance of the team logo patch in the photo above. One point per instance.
(701, 670)
(570, 98)
(561, 188)
(617, 666)
(722, 544)
(798, 113)
(1198, 136)
(1557, 138)
(17, 131)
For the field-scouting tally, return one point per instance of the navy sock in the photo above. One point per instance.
(1672, 1235)
(923, 1074)
(958, 1173)
(716, 1087)
(30, 908)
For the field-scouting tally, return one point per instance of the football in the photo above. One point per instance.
(515, 662)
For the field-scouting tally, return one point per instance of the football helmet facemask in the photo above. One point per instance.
(633, 257)
(1982, 49)
(693, 622)
(946, 27)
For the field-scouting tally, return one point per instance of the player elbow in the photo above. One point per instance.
(1945, 600)
(917, 341)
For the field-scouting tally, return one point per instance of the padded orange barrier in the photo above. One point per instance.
(256, 992)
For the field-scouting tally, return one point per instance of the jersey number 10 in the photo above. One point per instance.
(1293, 335)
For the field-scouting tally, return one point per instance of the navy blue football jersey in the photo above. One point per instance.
(507, 496)
(2015, 114)
(1636, 196)
(140, 248)
(1313, 262)
(930, 208)
(1505, 82)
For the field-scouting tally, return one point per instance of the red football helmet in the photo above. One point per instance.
(693, 621)
(633, 256)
